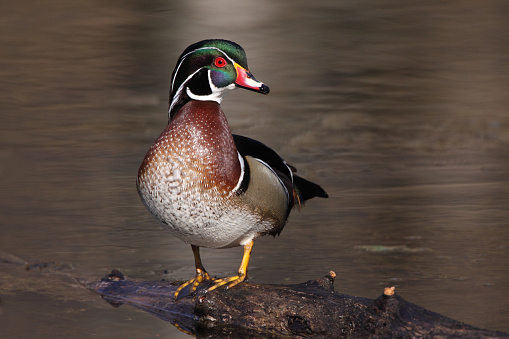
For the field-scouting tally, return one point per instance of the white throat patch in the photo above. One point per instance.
(215, 96)
(217, 92)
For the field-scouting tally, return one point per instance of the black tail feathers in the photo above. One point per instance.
(307, 189)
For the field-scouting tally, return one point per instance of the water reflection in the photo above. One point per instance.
(397, 109)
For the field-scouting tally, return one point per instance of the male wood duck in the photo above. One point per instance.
(206, 186)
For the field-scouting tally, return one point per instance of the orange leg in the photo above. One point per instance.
(201, 274)
(232, 281)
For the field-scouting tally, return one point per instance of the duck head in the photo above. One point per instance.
(207, 70)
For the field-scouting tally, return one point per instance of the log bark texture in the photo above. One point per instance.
(311, 309)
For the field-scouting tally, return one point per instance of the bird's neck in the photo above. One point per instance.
(203, 129)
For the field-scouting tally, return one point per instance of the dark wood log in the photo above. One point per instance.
(311, 309)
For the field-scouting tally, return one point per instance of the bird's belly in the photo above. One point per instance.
(200, 216)
(228, 228)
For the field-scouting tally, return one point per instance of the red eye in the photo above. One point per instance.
(220, 62)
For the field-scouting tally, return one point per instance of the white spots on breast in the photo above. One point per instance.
(187, 185)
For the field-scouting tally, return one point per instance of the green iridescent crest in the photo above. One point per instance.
(198, 69)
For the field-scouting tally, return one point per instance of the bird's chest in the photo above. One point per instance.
(193, 168)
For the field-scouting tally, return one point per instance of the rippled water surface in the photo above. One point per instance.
(398, 109)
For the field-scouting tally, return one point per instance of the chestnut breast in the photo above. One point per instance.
(198, 144)
(189, 174)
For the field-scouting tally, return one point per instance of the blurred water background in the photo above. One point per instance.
(399, 109)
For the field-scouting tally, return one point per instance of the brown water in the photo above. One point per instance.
(398, 109)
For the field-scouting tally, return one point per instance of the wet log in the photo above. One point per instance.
(311, 309)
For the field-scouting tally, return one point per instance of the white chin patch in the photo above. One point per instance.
(216, 95)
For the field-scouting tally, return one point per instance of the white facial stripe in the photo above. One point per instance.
(216, 95)
(192, 95)
(198, 49)
(179, 91)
